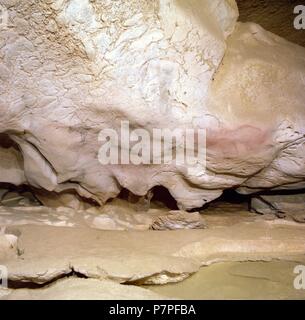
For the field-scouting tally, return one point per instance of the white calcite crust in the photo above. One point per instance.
(69, 69)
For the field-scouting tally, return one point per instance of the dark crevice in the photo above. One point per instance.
(22, 190)
(231, 196)
(6, 142)
(162, 195)
(268, 192)
(18, 284)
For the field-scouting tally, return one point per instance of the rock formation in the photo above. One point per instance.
(69, 69)
(73, 74)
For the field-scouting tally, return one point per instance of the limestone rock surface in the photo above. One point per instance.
(46, 252)
(69, 69)
(83, 289)
(284, 205)
(116, 215)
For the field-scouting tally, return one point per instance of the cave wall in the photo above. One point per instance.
(274, 15)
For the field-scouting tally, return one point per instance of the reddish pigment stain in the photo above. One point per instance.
(236, 142)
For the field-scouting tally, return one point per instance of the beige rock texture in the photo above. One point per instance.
(57, 254)
(8, 245)
(115, 215)
(69, 69)
(238, 280)
(175, 220)
(46, 252)
(82, 289)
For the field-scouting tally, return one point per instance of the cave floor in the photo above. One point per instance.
(240, 255)
(237, 280)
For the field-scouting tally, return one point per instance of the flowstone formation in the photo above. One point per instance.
(70, 69)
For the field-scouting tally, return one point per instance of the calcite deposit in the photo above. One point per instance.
(73, 74)
(45, 252)
(69, 69)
